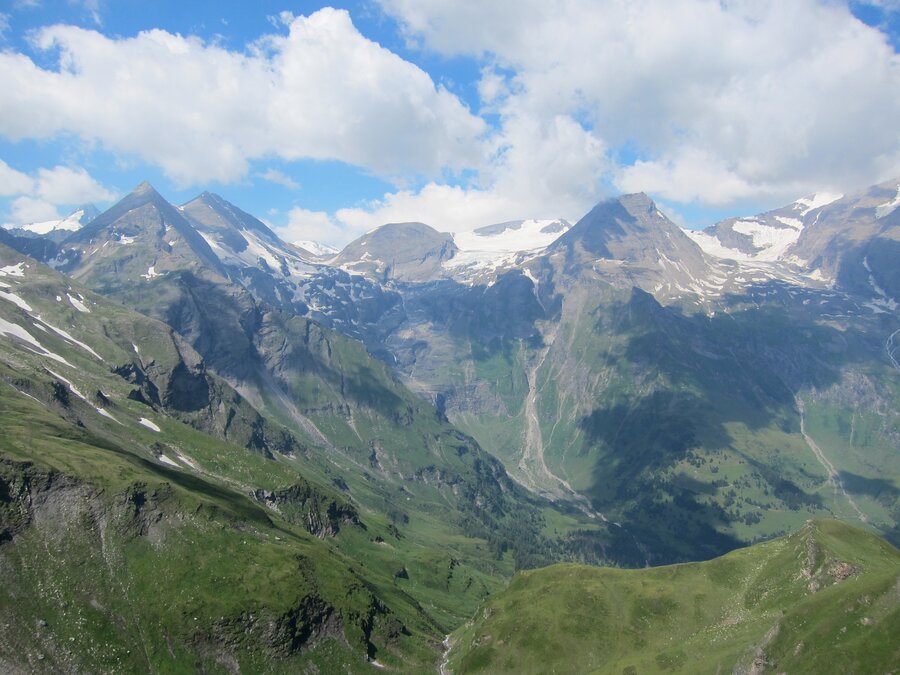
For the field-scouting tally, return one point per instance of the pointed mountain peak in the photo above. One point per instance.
(210, 212)
(637, 201)
(145, 188)
(208, 197)
(629, 228)
(621, 216)
(144, 193)
(87, 213)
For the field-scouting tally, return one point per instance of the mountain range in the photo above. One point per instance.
(386, 433)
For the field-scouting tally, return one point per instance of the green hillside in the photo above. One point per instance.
(139, 489)
(825, 599)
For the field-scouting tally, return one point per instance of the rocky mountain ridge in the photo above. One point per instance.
(535, 350)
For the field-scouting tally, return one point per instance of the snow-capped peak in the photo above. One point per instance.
(815, 201)
(314, 247)
(888, 207)
(72, 222)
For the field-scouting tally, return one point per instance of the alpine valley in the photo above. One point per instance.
(224, 452)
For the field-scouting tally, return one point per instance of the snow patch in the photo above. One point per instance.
(256, 246)
(72, 387)
(773, 240)
(169, 461)
(17, 270)
(15, 299)
(78, 304)
(14, 330)
(67, 336)
(711, 245)
(151, 273)
(71, 223)
(888, 207)
(491, 249)
(187, 460)
(816, 201)
(884, 300)
(316, 248)
(150, 425)
(107, 415)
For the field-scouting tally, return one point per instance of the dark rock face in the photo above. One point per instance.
(320, 514)
(39, 248)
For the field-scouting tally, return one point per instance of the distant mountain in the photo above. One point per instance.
(603, 363)
(626, 366)
(415, 252)
(57, 230)
(321, 251)
(398, 251)
(629, 240)
(765, 237)
(140, 237)
(820, 600)
(850, 242)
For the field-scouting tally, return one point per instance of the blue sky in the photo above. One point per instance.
(327, 120)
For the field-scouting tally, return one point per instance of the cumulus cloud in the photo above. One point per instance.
(202, 112)
(31, 210)
(279, 178)
(718, 101)
(39, 197)
(306, 225)
(66, 185)
(13, 182)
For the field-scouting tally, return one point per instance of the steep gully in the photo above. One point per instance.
(532, 468)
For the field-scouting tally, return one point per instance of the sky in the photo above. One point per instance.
(326, 121)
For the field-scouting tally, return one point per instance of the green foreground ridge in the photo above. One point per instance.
(825, 599)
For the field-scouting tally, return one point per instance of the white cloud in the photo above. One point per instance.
(318, 226)
(202, 113)
(32, 210)
(721, 100)
(541, 169)
(279, 178)
(38, 198)
(13, 182)
(65, 185)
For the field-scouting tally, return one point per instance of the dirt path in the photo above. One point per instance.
(833, 476)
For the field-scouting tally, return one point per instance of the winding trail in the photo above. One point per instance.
(833, 476)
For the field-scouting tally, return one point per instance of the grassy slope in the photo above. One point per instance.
(114, 561)
(701, 617)
(437, 514)
(411, 525)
